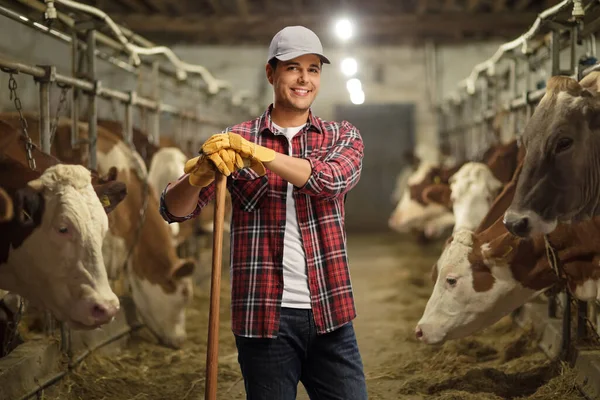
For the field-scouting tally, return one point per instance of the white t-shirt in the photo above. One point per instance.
(295, 279)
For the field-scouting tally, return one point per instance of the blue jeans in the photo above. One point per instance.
(329, 365)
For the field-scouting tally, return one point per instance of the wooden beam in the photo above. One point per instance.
(522, 5)
(499, 6)
(242, 7)
(297, 6)
(472, 5)
(422, 7)
(158, 5)
(449, 5)
(255, 26)
(216, 6)
(134, 5)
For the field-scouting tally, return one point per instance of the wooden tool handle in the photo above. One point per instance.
(212, 353)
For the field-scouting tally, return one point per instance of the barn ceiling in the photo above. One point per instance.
(377, 22)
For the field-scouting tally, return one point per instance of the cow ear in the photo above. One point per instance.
(111, 194)
(590, 84)
(438, 193)
(434, 273)
(28, 205)
(502, 248)
(6, 206)
(36, 184)
(184, 268)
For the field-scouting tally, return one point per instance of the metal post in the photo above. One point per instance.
(555, 52)
(574, 32)
(552, 300)
(129, 119)
(45, 116)
(155, 114)
(75, 91)
(582, 308)
(93, 103)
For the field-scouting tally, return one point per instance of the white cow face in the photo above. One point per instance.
(60, 265)
(164, 312)
(474, 188)
(467, 297)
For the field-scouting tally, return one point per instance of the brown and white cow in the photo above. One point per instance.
(160, 282)
(473, 189)
(51, 249)
(482, 277)
(561, 171)
(501, 159)
(413, 211)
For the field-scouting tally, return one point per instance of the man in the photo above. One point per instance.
(292, 303)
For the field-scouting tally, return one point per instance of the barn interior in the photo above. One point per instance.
(432, 86)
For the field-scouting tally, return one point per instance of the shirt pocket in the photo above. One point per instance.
(248, 193)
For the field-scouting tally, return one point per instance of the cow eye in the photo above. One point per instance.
(63, 230)
(563, 144)
(451, 281)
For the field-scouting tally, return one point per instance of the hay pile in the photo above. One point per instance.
(392, 285)
(146, 370)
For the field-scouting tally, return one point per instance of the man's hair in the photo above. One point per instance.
(274, 61)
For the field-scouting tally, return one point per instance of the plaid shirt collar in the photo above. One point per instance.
(265, 122)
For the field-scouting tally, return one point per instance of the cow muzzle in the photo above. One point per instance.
(527, 224)
(517, 224)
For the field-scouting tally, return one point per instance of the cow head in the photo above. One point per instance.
(559, 180)
(472, 290)
(473, 190)
(162, 307)
(59, 266)
(412, 212)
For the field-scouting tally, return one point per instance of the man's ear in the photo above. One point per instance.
(270, 72)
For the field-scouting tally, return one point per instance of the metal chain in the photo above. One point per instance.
(62, 100)
(12, 87)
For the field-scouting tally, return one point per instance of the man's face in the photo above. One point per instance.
(296, 82)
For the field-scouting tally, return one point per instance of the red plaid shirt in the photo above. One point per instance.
(335, 152)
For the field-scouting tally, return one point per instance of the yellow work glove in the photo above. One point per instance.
(255, 165)
(234, 141)
(202, 168)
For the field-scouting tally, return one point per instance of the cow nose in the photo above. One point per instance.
(103, 313)
(419, 333)
(517, 225)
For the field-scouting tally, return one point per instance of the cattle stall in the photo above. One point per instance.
(112, 82)
(494, 104)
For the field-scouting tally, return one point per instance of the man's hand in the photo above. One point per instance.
(244, 147)
(202, 168)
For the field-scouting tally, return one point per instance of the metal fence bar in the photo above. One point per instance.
(85, 85)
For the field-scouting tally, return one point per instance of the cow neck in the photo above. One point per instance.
(503, 161)
(501, 203)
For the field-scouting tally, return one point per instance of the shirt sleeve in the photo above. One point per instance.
(205, 196)
(339, 171)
